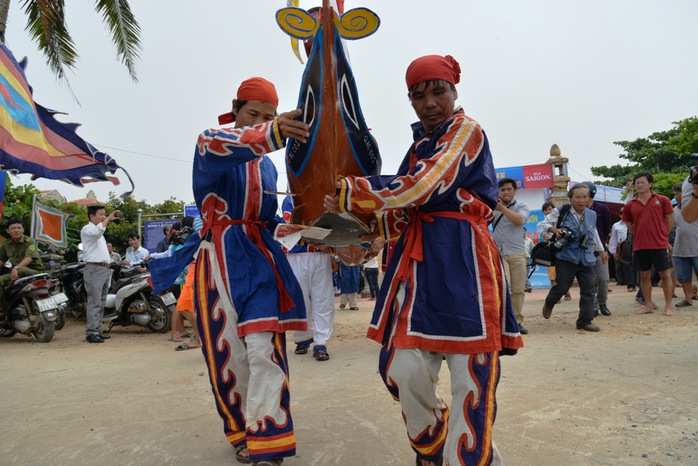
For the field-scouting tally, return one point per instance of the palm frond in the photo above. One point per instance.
(47, 27)
(124, 29)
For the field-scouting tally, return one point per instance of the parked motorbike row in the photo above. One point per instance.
(37, 304)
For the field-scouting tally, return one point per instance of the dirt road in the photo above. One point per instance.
(625, 396)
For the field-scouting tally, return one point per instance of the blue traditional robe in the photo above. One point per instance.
(231, 175)
(438, 205)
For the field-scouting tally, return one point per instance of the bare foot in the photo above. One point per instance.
(669, 312)
(645, 310)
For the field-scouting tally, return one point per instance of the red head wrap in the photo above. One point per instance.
(253, 89)
(433, 67)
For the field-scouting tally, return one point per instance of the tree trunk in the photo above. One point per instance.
(4, 8)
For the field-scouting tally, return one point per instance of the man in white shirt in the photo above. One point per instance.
(115, 257)
(97, 271)
(135, 253)
(619, 233)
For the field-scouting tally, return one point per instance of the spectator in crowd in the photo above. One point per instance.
(650, 218)
(544, 235)
(676, 201)
(371, 273)
(689, 198)
(178, 332)
(619, 234)
(349, 277)
(115, 256)
(97, 269)
(312, 266)
(528, 247)
(685, 253)
(185, 309)
(576, 258)
(22, 252)
(164, 243)
(135, 254)
(603, 227)
(507, 231)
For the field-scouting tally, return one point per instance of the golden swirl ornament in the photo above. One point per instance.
(297, 23)
(357, 23)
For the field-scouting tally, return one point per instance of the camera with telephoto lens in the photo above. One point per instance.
(183, 234)
(566, 237)
(693, 173)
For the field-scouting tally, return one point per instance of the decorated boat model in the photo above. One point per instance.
(340, 143)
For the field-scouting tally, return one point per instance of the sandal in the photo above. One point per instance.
(302, 349)
(683, 303)
(342, 306)
(568, 296)
(184, 347)
(320, 353)
(355, 308)
(239, 454)
(269, 462)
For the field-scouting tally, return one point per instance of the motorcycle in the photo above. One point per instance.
(71, 282)
(31, 309)
(131, 301)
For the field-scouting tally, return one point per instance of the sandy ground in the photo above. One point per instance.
(625, 396)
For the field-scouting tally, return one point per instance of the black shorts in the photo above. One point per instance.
(644, 260)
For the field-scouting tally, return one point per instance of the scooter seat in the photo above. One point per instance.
(74, 266)
(30, 278)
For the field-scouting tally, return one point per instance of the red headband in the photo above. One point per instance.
(252, 89)
(433, 67)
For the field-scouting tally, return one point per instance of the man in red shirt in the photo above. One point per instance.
(650, 218)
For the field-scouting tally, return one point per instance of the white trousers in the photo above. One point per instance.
(314, 273)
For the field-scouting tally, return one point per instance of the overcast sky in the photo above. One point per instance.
(578, 74)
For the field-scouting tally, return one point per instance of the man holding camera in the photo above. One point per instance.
(650, 218)
(578, 239)
(507, 232)
(97, 269)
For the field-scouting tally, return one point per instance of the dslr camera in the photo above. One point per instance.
(693, 173)
(566, 237)
(183, 234)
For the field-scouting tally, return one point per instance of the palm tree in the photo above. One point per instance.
(46, 25)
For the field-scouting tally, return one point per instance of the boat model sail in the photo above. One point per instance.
(340, 143)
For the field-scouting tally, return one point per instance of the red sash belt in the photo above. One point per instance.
(253, 232)
(412, 247)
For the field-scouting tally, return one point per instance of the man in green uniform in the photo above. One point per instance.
(22, 251)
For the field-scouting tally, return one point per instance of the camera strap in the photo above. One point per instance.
(563, 212)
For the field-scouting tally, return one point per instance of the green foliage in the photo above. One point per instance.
(46, 25)
(662, 153)
(19, 199)
(664, 183)
(686, 141)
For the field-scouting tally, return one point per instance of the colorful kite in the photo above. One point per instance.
(32, 141)
(49, 225)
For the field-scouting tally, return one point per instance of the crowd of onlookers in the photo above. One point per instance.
(652, 244)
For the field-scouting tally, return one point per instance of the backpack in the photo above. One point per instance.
(625, 250)
(543, 253)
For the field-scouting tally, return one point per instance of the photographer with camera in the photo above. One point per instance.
(507, 231)
(577, 241)
(689, 194)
